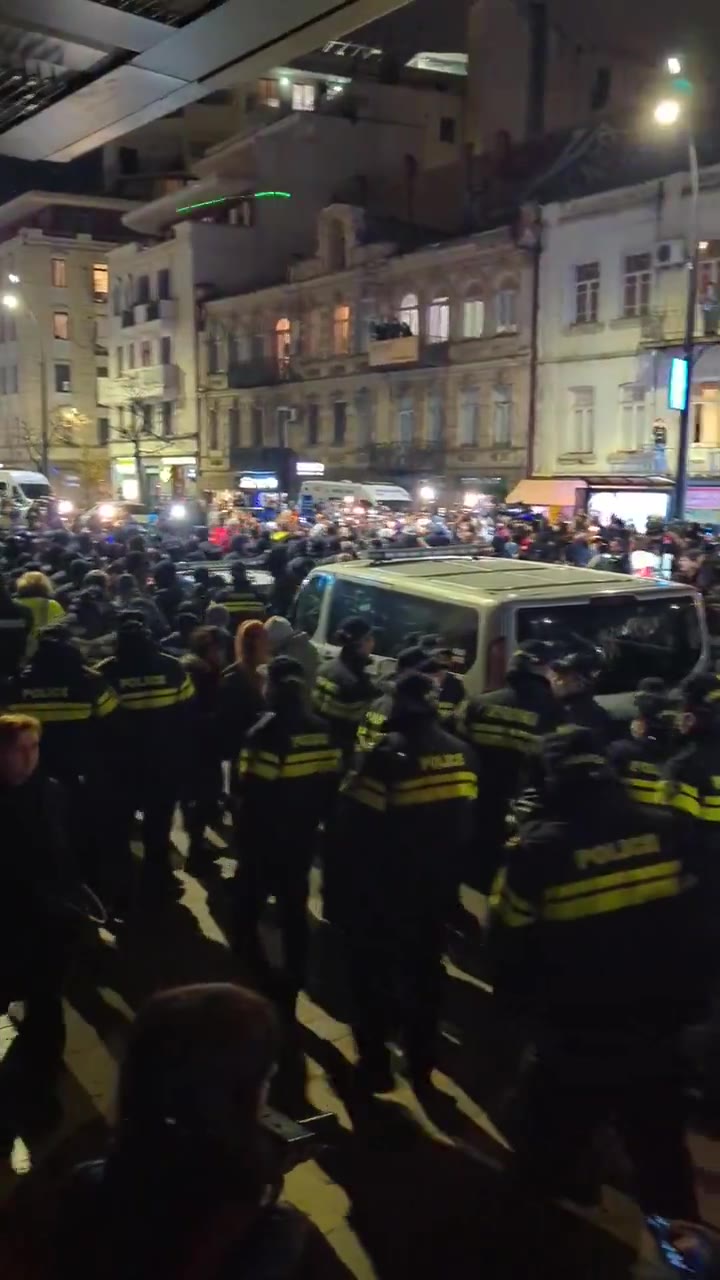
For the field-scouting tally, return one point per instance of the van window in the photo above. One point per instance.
(309, 603)
(395, 616)
(639, 637)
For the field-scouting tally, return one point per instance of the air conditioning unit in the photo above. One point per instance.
(670, 253)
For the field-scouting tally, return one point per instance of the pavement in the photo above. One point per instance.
(400, 1190)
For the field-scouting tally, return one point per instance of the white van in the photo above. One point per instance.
(484, 607)
(376, 495)
(23, 487)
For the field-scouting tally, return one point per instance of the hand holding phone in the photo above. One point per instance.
(682, 1246)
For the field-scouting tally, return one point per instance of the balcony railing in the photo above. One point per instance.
(703, 460)
(383, 353)
(261, 373)
(667, 327)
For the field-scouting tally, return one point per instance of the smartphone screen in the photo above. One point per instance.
(660, 1230)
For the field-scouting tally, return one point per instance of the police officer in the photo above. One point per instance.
(289, 769)
(575, 675)
(343, 688)
(241, 599)
(506, 728)
(404, 819)
(451, 694)
(16, 624)
(582, 913)
(640, 760)
(374, 724)
(153, 691)
(76, 710)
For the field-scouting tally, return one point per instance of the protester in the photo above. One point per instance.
(284, 641)
(34, 593)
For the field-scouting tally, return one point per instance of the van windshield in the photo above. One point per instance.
(639, 637)
(34, 489)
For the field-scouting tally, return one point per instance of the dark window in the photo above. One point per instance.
(147, 418)
(3, 381)
(257, 426)
(166, 416)
(313, 433)
(600, 93)
(163, 284)
(639, 637)
(103, 431)
(143, 289)
(309, 602)
(213, 431)
(213, 356)
(396, 615)
(447, 129)
(234, 425)
(63, 380)
(166, 350)
(129, 159)
(339, 421)
(102, 371)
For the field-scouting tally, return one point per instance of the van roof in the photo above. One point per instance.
(477, 581)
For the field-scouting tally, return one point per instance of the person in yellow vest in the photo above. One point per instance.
(34, 592)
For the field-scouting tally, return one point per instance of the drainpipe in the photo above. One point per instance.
(533, 244)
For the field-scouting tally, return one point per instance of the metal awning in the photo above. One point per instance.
(547, 492)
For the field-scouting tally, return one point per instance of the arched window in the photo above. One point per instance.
(438, 320)
(409, 313)
(282, 342)
(473, 313)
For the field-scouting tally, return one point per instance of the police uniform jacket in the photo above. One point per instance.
(77, 712)
(597, 910)
(450, 697)
(153, 714)
(585, 711)
(342, 694)
(404, 822)
(288, 771)
(640, 763)
(241, 603)
(692, 790)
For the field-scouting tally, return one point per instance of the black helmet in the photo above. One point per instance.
(580, 657)
(414, 694)
(531, 655)
(352, 630)
(416, 658)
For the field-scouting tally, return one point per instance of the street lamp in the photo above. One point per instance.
(13, 302)
(667, 113)
(674, 65)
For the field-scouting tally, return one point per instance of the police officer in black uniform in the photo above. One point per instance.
(76, 709)
(153, 691)
(575, 675)
(692, 786)
(343, 688)
(403, 823)
(373, 727)
(451, 694)
(505, 729)
(289, 770)
(640, 760)
(16, 624)
(241, 599)
(583, 913)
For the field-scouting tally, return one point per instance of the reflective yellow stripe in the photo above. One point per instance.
(56, 713)
(186, 690)
(268, 756)
(151, 700)
(434, 780)
(341, 710)
(331, 765)
(106, 703)
(256, 769)
(365, 796)
(454, 791)
(645, 792)
(504, 736)
(593, 884)
(301, 757)
(634, 895)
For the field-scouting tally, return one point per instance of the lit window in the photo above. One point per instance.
(58, 273)
(502, 417)
(582, 419)
(341, 329)
(506, 310)
(100, 281)
(303, 97)
(409, 313)
(636, 284)
(587, 292)
(268, 93)
(282, 342)
(61, 325)
(473, 318)
(438, 327)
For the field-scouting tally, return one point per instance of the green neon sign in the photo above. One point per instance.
(201, 204)
(272, 195)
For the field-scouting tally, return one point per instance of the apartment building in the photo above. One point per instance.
(382, 356)
(53, 333)
(613, 293)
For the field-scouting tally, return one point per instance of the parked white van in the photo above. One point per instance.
(23, 487)
(375, 495)
(484, 607)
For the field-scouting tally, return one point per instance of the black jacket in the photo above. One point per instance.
(288, 771)
(240, 702)
(584, 710)
(342, 694)
(640, 763)
(77, 709)
(153, 693)
(242, 603)
(16, 624)
(597, 909)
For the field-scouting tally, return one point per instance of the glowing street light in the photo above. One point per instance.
(10, 301)
(13, 278)
(667, 112)
(427, 493)
(674, 65)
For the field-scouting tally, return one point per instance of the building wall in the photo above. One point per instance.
(614, 351)
(391, 415)
(30, 256)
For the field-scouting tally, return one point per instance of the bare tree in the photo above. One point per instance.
(137, 431)
(64, 427)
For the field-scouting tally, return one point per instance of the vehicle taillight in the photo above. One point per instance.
(496, 663)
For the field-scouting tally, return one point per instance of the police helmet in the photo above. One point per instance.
(285, 670)
(415, 658)
(581, 658)
(353, 630)
(414, 693)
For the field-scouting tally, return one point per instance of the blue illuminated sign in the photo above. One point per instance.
(678, 384)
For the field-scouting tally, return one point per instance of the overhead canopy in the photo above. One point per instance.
(74, 74)
(546, 493)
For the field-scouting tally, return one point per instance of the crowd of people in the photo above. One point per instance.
(131, 690)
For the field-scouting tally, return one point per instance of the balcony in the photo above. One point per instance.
(384, 353)
(260, 373)
(155, 382)
(157, 309)
(703, 460)
(666, 328)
